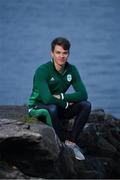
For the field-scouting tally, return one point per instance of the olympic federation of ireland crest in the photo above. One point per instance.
(69, 77)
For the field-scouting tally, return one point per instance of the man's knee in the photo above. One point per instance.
(86, 105)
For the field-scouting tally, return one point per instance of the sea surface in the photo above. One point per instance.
(27, 28)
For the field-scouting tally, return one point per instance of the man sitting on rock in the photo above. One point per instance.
(51, 81)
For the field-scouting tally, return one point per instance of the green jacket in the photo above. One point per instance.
(48, 81)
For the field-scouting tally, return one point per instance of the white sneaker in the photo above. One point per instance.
(76, 149)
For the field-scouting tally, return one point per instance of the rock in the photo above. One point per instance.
(33, 150)
(97, 115)
(10, 172)
(101, 139)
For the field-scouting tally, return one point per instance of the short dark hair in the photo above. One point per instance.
(61, 41)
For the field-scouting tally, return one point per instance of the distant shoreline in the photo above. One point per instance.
(13, 111)
(19, 111)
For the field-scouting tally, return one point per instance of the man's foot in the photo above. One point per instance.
(76, 149)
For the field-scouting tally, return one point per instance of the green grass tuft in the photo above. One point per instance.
(28, 119)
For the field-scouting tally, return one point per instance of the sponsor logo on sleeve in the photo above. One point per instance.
(69, 77)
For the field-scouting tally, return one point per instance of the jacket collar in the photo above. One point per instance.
(66, 66)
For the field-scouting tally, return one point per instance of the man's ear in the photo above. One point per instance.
(51, 54)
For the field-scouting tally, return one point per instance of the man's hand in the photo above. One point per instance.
(59, 97)
(71, 103)
(56, 96)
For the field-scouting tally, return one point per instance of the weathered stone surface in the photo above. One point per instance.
(34, 150)
(10, 172)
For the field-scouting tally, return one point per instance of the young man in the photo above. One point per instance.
(51, 81)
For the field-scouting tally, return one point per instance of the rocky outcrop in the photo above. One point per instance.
(32, 150)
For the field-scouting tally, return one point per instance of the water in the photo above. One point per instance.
(27, 28)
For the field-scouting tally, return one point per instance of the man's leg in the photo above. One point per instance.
(82, 110)
(56, 122)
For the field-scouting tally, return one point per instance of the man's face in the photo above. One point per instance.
(59, 55)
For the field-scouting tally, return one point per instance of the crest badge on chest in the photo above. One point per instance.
(69, 77)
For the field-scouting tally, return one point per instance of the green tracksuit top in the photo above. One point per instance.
(48, 81)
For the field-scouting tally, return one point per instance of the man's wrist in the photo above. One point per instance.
(62, 96)
(67, 104)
